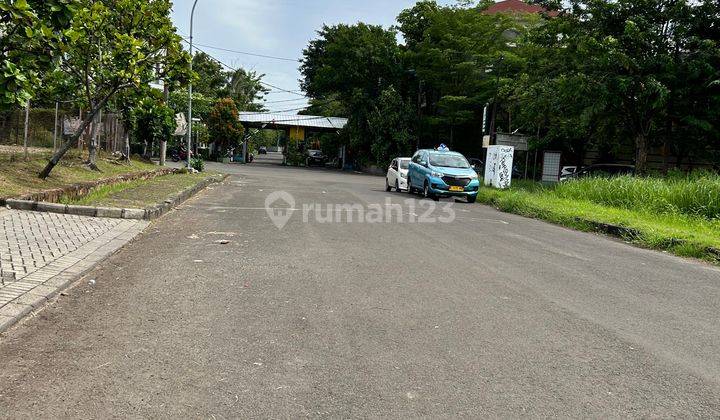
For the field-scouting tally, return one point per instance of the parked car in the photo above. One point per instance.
(568, 170)
(314, 157)
(604, 170)
(478, 165)
(262, 150)
(441, 173)
(397, 174)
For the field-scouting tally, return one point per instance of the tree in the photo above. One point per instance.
(119, 45)
(224, 126)
(34, 35)
(391, 124)
(353, 65)
(246, 89)
(631, 51)
(211, 79)
(152, 121)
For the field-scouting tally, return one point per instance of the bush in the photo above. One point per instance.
(293, 156)
(198, 164)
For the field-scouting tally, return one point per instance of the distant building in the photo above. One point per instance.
(517, 6)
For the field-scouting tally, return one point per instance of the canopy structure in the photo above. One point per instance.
(273, 120)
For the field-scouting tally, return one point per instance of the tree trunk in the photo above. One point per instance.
(641, 154)
(163, 152)
(74, 138)
(92, 144)
(127, 146)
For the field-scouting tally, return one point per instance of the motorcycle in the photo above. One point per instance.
(179, 154)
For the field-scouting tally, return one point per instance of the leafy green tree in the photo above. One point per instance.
(459, 60)
(391, 126)
(633, 57)
(210, 78)
(223, 125)
(246, 89)
(152, 122)
(33, 35)
(202, 105)
(119, 45)
(353, 65)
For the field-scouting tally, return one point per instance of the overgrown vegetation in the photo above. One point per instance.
(680, 214)
(607, 76)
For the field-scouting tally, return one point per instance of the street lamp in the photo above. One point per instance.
(190, 121)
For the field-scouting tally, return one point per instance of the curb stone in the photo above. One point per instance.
(148, 213)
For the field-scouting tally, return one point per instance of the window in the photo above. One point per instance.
(446, 160)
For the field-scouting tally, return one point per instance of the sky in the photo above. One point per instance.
(278, 28)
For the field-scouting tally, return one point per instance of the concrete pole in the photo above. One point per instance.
(25, 134)
(190, 121)
(57, 106)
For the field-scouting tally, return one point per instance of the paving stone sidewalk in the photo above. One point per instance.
(41, 253)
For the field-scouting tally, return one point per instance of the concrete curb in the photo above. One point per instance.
(148, 213)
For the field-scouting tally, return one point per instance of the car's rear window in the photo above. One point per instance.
(404, 164)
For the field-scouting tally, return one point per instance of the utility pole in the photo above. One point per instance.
(25, 134)
(493, 130)
(57, 106)
(190, 121)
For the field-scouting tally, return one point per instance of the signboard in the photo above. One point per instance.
(551, 167)
(517, 141)
(71, 126)
(181, 124)
(498, 167)
(486, 141)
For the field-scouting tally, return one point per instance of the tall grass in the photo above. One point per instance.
(696, 195)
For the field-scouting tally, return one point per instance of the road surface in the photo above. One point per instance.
(489, 315)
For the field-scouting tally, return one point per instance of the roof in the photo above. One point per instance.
(292, 120)
(516, 6)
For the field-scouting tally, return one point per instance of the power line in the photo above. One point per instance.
(286, 100)
(249, 53)
(294, 92)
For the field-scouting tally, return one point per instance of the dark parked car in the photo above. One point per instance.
(262, 150)
(314, 157)
(602, 170)
(478, 165)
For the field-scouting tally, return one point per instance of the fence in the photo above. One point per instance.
(45, 129)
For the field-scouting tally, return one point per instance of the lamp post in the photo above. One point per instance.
(190, 121)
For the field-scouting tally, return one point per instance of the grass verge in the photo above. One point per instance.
(139, 193)
(19, 177)
(679, 233)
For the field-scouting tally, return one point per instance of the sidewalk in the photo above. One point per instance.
(42, 253)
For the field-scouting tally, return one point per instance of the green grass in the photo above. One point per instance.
(656, 213)
(139, 193)
(19, 177)
(695, 195)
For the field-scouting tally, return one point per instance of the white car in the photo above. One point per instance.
(397, 174)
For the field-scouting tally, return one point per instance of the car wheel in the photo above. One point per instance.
(471, 198)
(428, 194)
(387, 185)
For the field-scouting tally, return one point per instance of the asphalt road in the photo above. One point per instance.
(490, 315)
